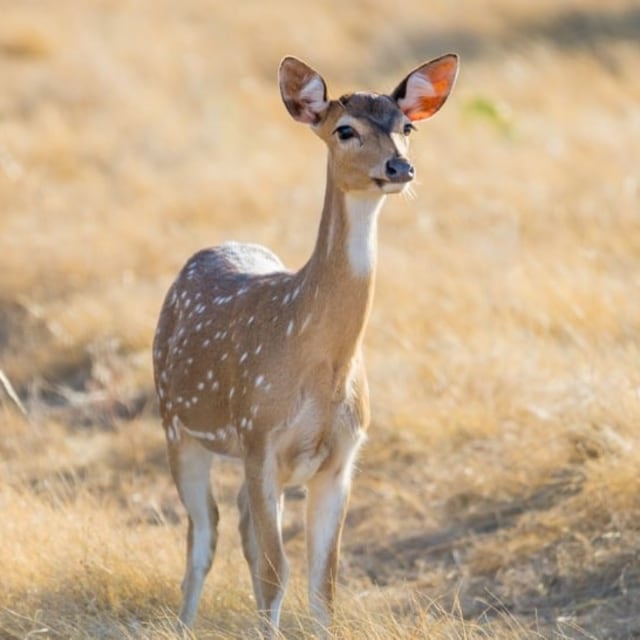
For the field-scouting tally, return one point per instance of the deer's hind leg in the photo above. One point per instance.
(249, 543)
(190, 465)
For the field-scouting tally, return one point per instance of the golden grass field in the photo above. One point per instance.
(499, 494)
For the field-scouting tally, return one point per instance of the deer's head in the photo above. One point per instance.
(367, 133)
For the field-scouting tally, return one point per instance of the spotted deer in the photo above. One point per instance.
(254, 361)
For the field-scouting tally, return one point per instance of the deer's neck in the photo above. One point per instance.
(340, 275)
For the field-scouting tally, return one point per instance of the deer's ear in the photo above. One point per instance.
(426, 88)
(303, 91)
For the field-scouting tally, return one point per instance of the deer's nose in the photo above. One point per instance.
(399, 169)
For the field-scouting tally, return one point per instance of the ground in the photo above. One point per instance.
(498, 494)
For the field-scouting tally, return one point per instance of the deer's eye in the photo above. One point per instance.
(345, 132)
(408, 128)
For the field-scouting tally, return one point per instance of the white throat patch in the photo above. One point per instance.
(362, 211)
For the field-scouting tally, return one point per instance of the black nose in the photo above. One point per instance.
(399, 170)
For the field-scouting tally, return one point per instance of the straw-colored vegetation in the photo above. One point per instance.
(499, 494)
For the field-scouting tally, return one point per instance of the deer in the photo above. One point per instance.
(265, 364)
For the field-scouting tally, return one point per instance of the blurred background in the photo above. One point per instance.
(498, 495)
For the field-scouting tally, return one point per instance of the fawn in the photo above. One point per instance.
(265, 364)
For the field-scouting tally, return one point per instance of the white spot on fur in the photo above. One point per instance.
(259, 380)
(305, 323)
(173, 430)
(290, 327)
(170, 433)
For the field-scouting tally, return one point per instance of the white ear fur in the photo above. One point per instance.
(303, 90)
(312, 95)
(426, 88)
(417, 87)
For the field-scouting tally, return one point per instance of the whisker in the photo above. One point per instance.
(409, 193)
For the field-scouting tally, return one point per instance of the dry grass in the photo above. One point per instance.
(498, 495)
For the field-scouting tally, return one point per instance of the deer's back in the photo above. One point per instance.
(206, 333)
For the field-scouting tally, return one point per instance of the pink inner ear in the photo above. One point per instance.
(312, 99)
(303, 91)
(428, 88)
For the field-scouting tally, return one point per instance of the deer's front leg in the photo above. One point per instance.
(327, 499)
(269, 568)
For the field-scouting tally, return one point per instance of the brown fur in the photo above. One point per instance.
(265, 364)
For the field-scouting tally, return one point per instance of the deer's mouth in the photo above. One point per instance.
(387, 186)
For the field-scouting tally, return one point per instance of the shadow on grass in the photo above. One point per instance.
(595, 599)
(471, 517)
